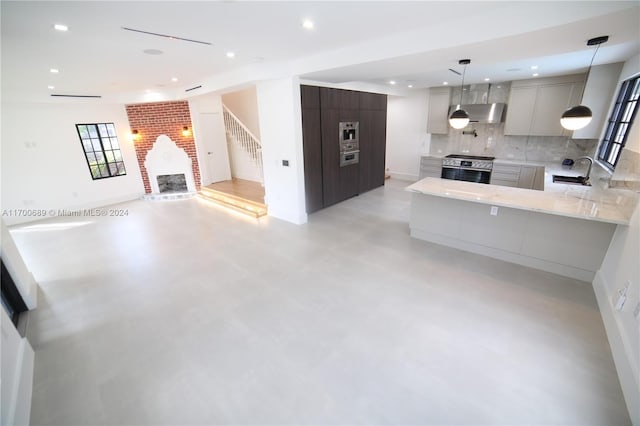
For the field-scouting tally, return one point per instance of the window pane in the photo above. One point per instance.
(95, 172)
(93, 132)
(114, 169)
(111, 129)
(96, 144)
(110, 158)
(628, 111)
(103, 130)
(105, 144)
(100, 157)
(614, 154)
(622, 130)
(114, 143)
(91, 158)
(103, 170)
(121, 170)
(88, 147)
(117, 154)
(84, 134)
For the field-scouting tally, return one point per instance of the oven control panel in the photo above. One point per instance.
(468, 163)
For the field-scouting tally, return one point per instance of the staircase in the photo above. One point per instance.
(235, 202)
(242, 137)
(233, 194)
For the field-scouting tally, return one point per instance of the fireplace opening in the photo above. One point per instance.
(172, 183)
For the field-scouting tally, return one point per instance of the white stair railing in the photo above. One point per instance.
(243, 137)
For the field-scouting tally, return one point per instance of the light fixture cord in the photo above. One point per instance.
(588, 72)
(464, 70)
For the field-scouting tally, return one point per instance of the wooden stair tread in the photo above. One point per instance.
(234, 202)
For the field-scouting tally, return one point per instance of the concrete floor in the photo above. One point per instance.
(183, 313)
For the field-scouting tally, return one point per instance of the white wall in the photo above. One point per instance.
(281, 129)
(244, 104)
(16, 374)
(407, 136)
(43, 163)
(619, 267)
(210, 138)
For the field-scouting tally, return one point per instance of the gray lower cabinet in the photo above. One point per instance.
(518, 176)
(430, 167)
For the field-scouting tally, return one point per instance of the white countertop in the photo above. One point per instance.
(584, 202)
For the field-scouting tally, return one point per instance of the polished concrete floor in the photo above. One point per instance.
(182, 313)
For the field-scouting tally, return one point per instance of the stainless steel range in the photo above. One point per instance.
(470, 168)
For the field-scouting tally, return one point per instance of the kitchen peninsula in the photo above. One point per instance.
(565, 229)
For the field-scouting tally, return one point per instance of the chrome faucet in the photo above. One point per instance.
(586, 177)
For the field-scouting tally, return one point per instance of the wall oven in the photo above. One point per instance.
(469, 168)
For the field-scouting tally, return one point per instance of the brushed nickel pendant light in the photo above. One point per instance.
(579, 116)
(459, 118)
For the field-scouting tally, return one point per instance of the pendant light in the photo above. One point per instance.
(459, 118)
(579, 116)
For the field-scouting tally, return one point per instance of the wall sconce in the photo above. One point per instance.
(186, 131)
(135, 135)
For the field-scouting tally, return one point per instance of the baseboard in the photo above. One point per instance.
(403, 176)
(52, 212)
(626, 363)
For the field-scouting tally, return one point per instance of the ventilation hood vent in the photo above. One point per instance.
(482, 113)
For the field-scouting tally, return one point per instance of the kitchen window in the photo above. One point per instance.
(620, 122)
(101, 149)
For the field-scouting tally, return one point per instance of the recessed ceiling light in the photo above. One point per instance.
(230, 54)
(50, 87)
(445, 83)
(61, 27)
(392, 82)
(54, 71)
(174, 79)
(153, 52)
(487, 79)
(534, 67)
(307, 24)
(535, 74)
(410, 86)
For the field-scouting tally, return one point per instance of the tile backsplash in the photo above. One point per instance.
(491, 140)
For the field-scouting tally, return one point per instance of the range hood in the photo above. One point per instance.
(482, 113)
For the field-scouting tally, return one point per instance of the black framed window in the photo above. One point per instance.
(620, 121)
(101, 149)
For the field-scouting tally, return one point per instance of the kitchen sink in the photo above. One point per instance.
(580, 180)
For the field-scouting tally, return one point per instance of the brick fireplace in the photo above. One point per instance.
(162, 118)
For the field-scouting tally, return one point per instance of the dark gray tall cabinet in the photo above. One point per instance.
(327, 183)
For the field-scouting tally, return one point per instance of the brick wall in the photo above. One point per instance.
(154, 119)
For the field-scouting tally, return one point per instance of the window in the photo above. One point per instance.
(102, 150)
(620, 122)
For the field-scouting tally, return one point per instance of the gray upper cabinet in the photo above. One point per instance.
(438, 118)
(535, 106)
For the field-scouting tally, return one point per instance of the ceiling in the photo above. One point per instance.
(368, 42)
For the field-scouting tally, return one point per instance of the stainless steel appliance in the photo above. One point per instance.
(470, 168)
(482, 113)
(349, 142)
